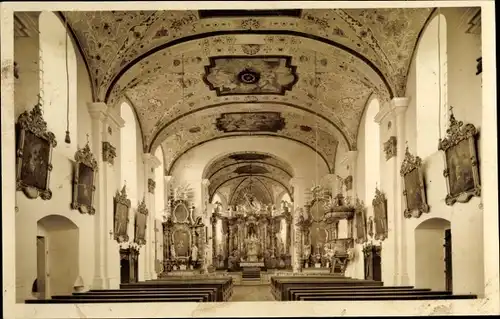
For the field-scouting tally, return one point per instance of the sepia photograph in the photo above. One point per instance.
(269, 158)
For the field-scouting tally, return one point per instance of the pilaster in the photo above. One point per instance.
(151, 162)
(97, 113)
(208, 249)
(400, 105)
(299, 189)
(113, 123)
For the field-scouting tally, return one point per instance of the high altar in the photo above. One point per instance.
(252, 236)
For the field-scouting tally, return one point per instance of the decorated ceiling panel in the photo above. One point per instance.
(188, 77)
(327, 81)
(299, 126)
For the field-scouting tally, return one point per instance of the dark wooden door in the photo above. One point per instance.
(377, 264)
(124, 271)
(448, 260)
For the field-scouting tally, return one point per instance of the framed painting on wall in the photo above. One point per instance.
(360, 222)
(34, 154)
(461, 164)
(121, 216)
(413, 186)
(141, 217)
(380, 215)
(84, 181)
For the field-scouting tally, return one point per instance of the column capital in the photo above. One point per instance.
(396, 106)
(350, 157)
(205, 182)
(399, 105)
(151, 160)
(115, 119)
(168, 179)
(97, 110)
(295, 181)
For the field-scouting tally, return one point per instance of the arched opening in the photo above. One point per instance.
(372, 150)
(431, 86)
(58, 80)
(57, 256)
(433, 255)
(128, 158)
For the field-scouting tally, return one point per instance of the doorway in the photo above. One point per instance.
(433, 254)
(41, 268)
(448, 269)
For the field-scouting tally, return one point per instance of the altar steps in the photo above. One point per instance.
(251, 274)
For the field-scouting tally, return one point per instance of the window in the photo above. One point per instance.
(128, 152)
(372, 150)
(431, 84)
(57, 61)
(160, 185)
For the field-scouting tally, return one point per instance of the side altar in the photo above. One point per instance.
(252, 236)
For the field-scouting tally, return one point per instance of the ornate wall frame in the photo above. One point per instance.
(379, 203)
(34, 154)
(121, 215)
(413, 186)
(84, 181)
(460, 162)
(141, 224)
(361, 227)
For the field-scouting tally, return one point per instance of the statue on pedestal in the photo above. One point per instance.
(194, 255)
(252, 248)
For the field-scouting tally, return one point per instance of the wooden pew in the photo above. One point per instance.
(384, 298)
(119, 300)
(224, 285)
(279, 285)
(298, 295)
(290, 292)
(206, 296)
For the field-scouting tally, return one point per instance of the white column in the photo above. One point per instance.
(399, 106)
(111, 172)
(8, 163)
(208, 247)
(151, 162)
(97, 112)
(389, 173)
(167, 182)
(299, 189)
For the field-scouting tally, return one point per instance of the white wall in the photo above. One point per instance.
(32, 210)
(465, 95)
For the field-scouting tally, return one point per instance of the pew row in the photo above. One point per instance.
(335, 289)
(170, 290)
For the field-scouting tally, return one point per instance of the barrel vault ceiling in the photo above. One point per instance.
(196, 76)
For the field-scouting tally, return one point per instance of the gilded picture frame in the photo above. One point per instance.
(121, 215)
(413, 186)
(140, 225)
(360, 222)
(460, 161)
(85, 172)
(34, 154)
(379, 204)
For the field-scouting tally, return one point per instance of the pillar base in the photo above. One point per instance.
(98, 283)
(404, 280)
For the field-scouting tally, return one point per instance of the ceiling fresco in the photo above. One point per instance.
(250, 122)
(181, 73)
(180, 136)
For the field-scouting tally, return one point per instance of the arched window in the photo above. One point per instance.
(216, 198)
(128, 152)
(58, 81)
(160, 185)
(372, 150)
(431, 87)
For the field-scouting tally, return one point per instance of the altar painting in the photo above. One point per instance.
(182, 241)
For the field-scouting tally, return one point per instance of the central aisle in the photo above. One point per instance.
(257, 292)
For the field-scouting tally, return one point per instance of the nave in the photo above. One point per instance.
(250, 155)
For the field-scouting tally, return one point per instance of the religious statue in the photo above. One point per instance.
(173, 255)
(194, 255)
(252, 244)
(281, 247)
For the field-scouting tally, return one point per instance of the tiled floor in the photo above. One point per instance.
(252, 293)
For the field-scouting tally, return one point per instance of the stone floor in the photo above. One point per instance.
(252, 293)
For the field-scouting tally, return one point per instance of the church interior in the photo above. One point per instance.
(249, 155)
